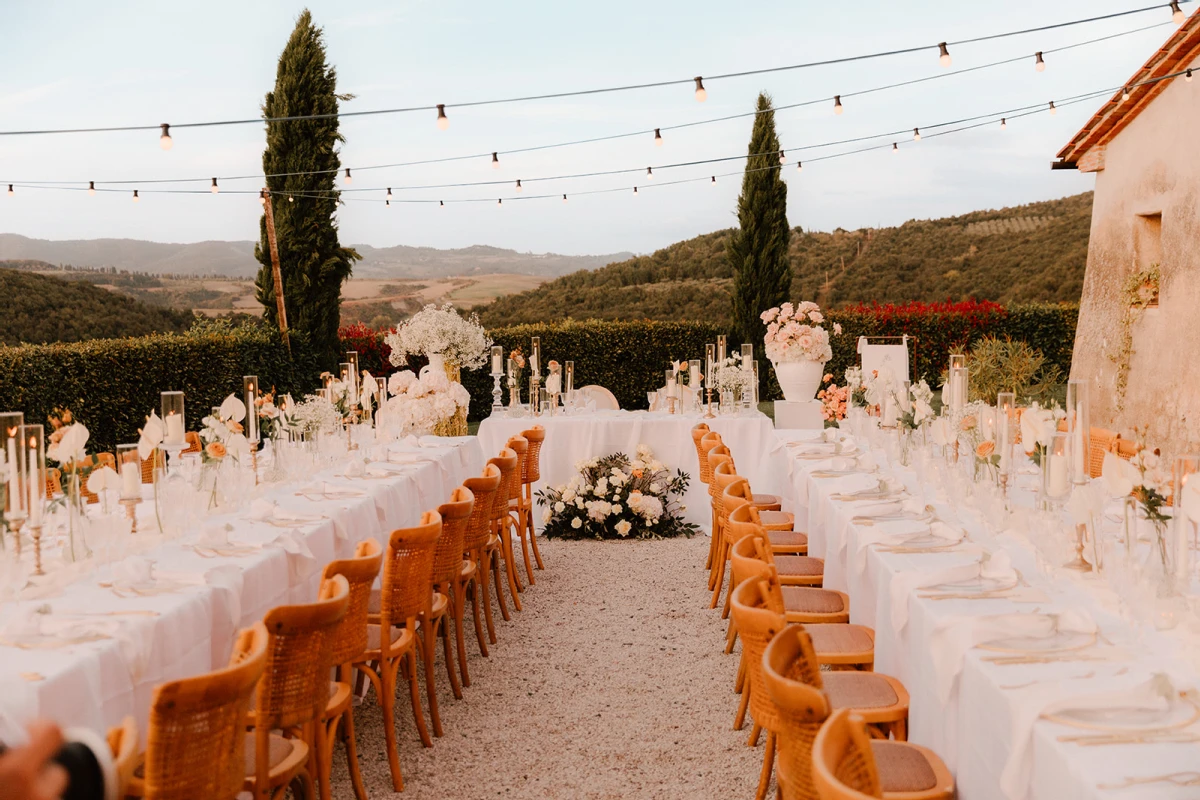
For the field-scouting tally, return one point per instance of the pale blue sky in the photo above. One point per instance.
(88, 64)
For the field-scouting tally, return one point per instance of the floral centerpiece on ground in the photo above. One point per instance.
(798, 347)
(420, 404)
(616, 497)
(450, 342)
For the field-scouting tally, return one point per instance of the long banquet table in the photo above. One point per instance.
(571, 438)
(982, 718)
(189, 630)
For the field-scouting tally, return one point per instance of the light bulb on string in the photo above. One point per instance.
(347, 179)
(782, 157)
(1177, 15)
(649, 173)
(944, 58)
(1003, 123)
(92, 188)
(443, 122)
(519, 189)
(500, 201)
(895, 147)
(165, 141)
(387, 203)
(564, 198)
(916, 134)
(714, 181)
(837, 104)
(1187, 76)
(389, 193)
(1053, 110)
(495, 161)
(262, 196)
(135, 196)
(291, 199)
(214, 188)
(799, 167)
(634, 191)
(10, 191)
(1124, 94)
(1039, 63)
(658, 140)
(441, 203)
(701, 94)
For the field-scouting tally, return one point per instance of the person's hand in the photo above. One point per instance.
(27, 773)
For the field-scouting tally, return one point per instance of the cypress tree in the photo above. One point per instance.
(303, 156)
(758, 249)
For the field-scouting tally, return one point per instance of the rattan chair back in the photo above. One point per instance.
(757, 624)
(843, 767)
(456, 518)
(699, 431)
(195, 744)
(485, 490)
(509, 464)
(1100, 441)
(531, 470)
(407, 584)
(802, 709)
(520, 446)
(123, 744)
(360, 572)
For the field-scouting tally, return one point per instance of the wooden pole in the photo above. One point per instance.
(280, 308)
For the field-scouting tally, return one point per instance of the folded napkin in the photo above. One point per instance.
(905, 584)
(406, 457)
(798, 435)
(133, 571)
(214, 535)
(301, 561)
(133, 635)
(355, 468)
(897, 532)
(1156, 694)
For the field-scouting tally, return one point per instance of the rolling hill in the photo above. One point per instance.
(1030, 253)
(40, 309)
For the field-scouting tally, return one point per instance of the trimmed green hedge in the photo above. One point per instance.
(112, 384)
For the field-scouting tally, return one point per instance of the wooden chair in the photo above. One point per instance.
(391, 635)
(531, 473)
(349, 646)
(849, 765)
(1124, 448)
(53, 482)
(704, 471)
(906, 770)
(196, 743)
(509, 464)
(765, 502)
(807, 604)
(604, 399)
(447, 574)
(521, 511)
(482, 547)
(714, 457)
(1100, 441)
(294, 692)
(192, 439)
(123, 744)
(156, 459)
(794, 568)
(85, 468)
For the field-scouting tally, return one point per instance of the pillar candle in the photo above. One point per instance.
(14, 499)
(131, 479)
(497, 360)
(35, 491)
(174, 425)
(1058, 475)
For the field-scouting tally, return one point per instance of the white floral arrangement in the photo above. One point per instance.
(616, 497)
(441, 331)
(418, 404)
(222, 434)
(728, 375)
(313, 414)
(795, 333)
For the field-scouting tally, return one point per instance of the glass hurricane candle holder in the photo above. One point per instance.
(1186, 514)
(129, 470)
(1006, 421)
(355, 375)
(250, 396)
(1079, 431)
(721, 344)
(173, 418)
(33, 451)
(15, 503)
(958, 388)
(569, 381)
(1056, 461)
(535, 356)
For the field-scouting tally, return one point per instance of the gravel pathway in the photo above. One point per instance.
(611, 683)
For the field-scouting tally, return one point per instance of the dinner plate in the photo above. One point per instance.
(976, 585)
(926, 541)
(1059, 642)
(1131, 719)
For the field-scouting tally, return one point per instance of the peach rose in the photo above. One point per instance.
(968, 423)
(234, 427)
(215, 450)
(985, 449)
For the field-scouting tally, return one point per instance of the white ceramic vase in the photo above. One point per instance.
(799, 380)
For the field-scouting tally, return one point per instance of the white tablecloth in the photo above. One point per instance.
(970, 719)
(569, 439)
(96, 684)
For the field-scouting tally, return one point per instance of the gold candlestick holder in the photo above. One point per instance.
(708, 398)
(535, 385)
(671, 403)
(1079, 563)
(14, 525)
(131, 504)
(254, 461)
(35, 533)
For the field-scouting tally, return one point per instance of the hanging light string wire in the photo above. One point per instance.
(616, 136)
(600, 90)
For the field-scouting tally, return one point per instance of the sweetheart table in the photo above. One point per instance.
(980, 715)
(575, 437)
(142, 634)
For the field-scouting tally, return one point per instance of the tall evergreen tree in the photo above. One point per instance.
(303, 157)
(757, 250)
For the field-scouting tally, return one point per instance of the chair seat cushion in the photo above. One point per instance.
(788, 540)
(284, 756)
(339, 696)
(813, 601)
(902, 767)
(766, 502)
(805, 566)
(777, 520)
(858, 690)
(440, 601)
(398, 640)
(837, 638)
(468, 568)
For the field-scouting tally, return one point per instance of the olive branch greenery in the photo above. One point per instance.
(1141, 289)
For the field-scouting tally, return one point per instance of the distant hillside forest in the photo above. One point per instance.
(1030, 253)
(39, 309)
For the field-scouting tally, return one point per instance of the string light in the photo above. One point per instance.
(895, 147)
(944, 58)
(1177, 15)
(701, 94)
(649, 173)
(837, 104)
(634, 191)
(519, 189)
(346, 179)
(135, 196)
(262, 196)
(495, 161)
(1187, 76)
(10, 191)
(92, 188)
(916, 134)
(389, 193)
(714, 180)
(658, 140)
(500, 201)
(1124, 94)
(564, 198)
(214, 188)
(1003, 124)
(782, 157)
(799, 166)
(387, 203)
(1053, 110)
(443, 121)
(291, 199)
(441, 204)
(1039, 63)
(165, 140)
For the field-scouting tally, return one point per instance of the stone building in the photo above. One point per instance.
(1138, 340)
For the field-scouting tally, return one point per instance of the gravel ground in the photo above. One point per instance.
(611, 683)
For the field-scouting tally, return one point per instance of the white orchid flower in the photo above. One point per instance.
(233, 408)
(1190, 502)
(71, 446)
(103, 478)
(151, 436)
(1118, 475)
